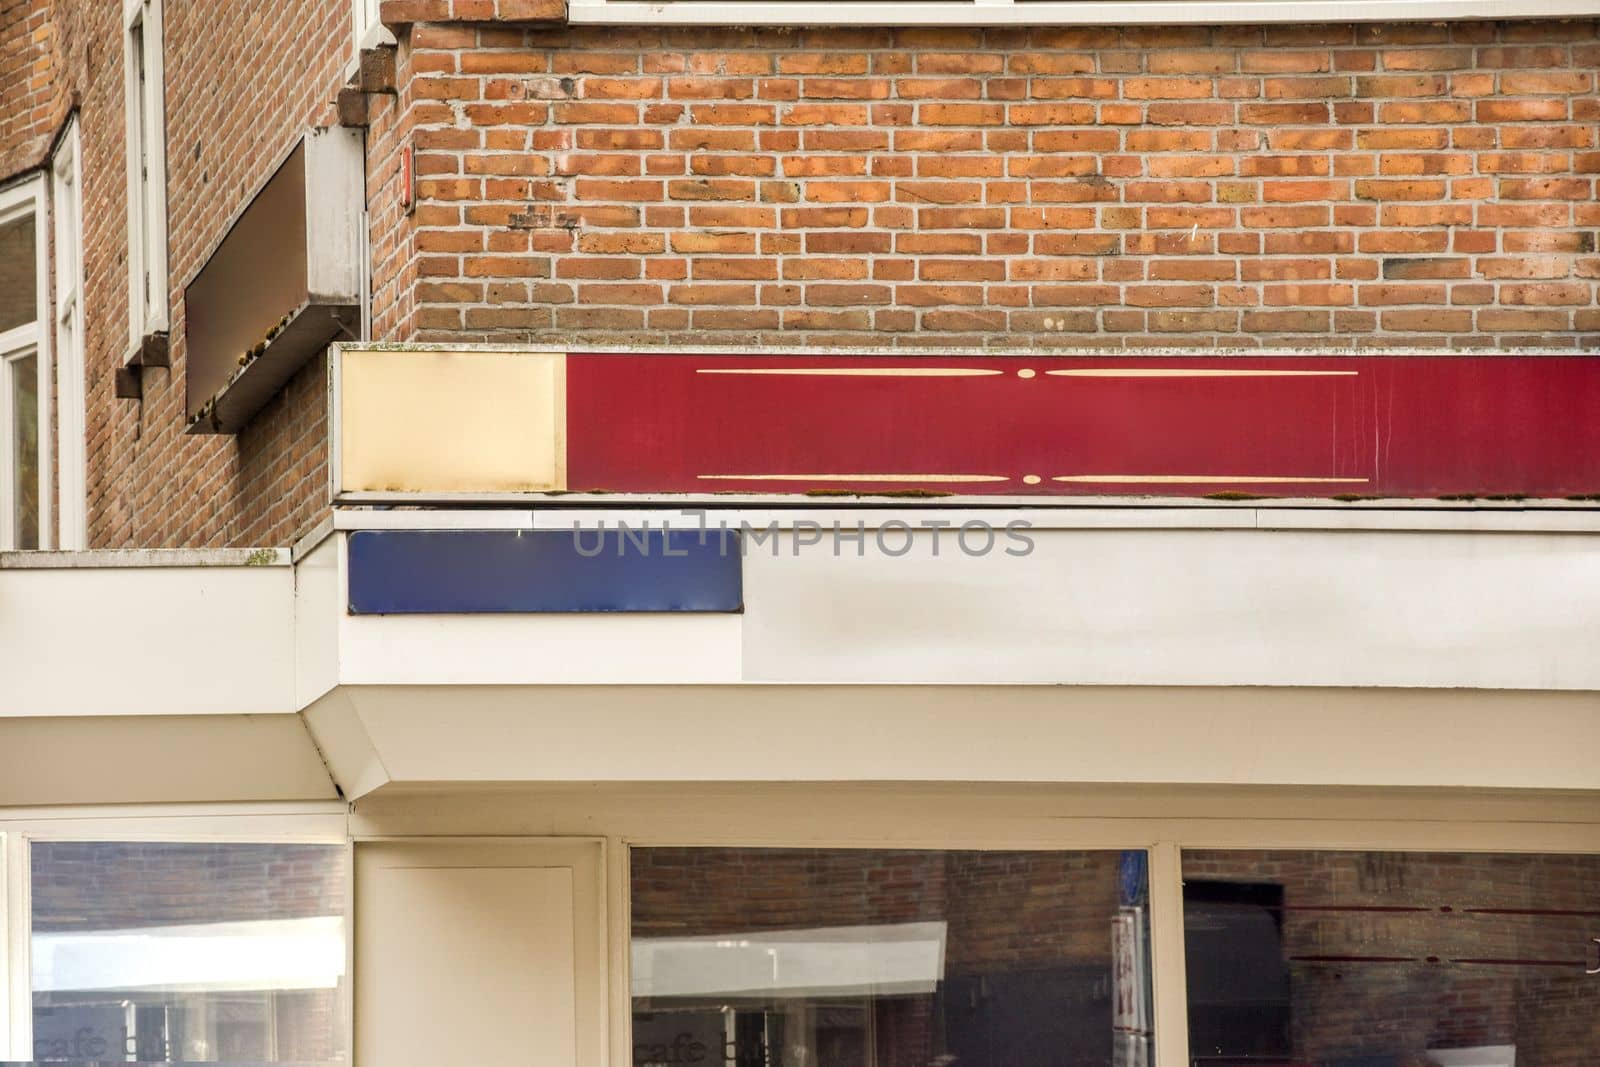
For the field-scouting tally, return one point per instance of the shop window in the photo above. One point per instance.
(1380, 959)
(850, 958)
(24, 369)
(194, 953)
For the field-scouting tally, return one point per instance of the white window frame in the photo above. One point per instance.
(264, 823)
(10, 908)
(147, 168)
(31, 338)
(71, 436)
(369, 31)
(1058, 12)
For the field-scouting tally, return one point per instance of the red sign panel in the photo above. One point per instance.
(1365, 426)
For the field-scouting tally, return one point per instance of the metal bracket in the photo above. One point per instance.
(127, 382)
(1593, 970)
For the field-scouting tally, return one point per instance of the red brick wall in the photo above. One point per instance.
(242, 80)
(1401, 185)
(31, 104)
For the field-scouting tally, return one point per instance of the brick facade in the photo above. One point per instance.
(1211, 188)
(33, 101)
(1191, 186)
(241, 81)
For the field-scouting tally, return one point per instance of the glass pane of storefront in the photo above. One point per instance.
(873, 958)
(1383, 959)
(193, 953)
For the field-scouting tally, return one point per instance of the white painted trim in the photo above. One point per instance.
(306, 822)
(375, 34)
(1063, 12)
(15, 978)
(439, 519)
(8, 532)
(147, 244)
(1169, 989)
(28, 198)
(1206, 515)
(71, 441)
(6, 978)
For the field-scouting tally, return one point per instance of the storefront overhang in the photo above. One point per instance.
(1225, 645)
(406, 738)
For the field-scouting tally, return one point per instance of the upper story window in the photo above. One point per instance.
(66, 199)
(147, 170)
(24, 369)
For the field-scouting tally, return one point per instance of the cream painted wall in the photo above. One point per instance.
(409, 736)
(1103, 603)
(148, 633)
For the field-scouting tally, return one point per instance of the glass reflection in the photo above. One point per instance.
(24, 372)
(19, 273)
(1372, 959)
(848, 958)
(186, 953)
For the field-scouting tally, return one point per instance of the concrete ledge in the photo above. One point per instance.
(111, 558)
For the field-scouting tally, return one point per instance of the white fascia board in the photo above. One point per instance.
(1048, 605)
(1179, 608)
(136, 635)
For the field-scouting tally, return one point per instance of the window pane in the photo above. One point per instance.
(1381, 959)
(19, 273)
(24, 448)
(198, 953)
(850, 958)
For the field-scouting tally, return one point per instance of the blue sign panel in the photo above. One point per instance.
(459, 572)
